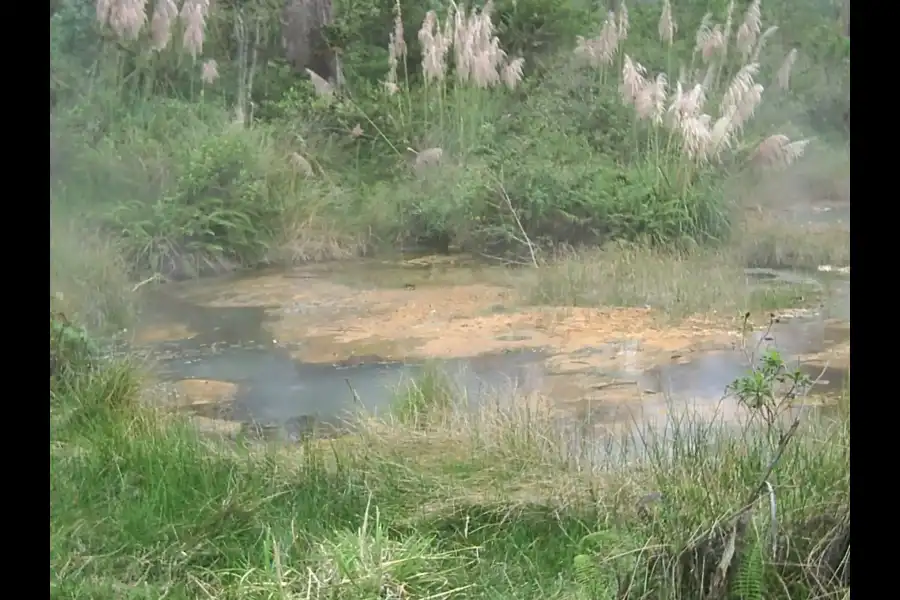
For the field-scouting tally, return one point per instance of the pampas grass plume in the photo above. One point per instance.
(783, 77)
(749, 29)
(667, 25)
(778, 151)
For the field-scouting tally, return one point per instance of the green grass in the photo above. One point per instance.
(676, 285)
(89, 275)
(767, 244)
(418, 399)
(483, 504)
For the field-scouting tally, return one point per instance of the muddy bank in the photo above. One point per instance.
(305, 346)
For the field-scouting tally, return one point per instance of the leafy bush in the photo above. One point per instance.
(220, 210)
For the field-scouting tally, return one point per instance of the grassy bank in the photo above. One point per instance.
(196, 160)
(675, 285)
(494, 504)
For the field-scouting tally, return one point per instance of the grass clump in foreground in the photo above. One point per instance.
(489, 503)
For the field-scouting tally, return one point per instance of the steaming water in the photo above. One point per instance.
(276, 390)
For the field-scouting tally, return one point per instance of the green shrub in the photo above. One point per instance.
(219, 211)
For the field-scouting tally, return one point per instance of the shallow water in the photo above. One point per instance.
(310, 346)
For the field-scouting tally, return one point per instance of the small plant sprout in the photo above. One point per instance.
(770, 388)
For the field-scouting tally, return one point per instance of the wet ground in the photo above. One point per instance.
(303, 348)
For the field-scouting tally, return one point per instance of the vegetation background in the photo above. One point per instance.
(194, 137)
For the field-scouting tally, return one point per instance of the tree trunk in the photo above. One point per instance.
(305, 44)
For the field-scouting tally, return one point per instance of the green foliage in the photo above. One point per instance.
(410, 512)
(360, 33)
(605, 564)
(428, 396)
(73, 31)
(771, 386)
(219, 210)
(750, 577)
(141, 507)
(89, 275)
(587, 198)
(71, 348)
(535, 28)
(560, 156)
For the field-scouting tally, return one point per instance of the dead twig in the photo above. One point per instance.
(155, 277)
(525, 239)
(356, 398)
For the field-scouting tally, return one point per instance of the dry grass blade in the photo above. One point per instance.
(397, 50)
(695, 133)
(322, 87)
(762, 42)
(301, 165)
(710, 39)
(601, 50)
(622, 22)
(685, 105)
(433, 48)
(512, 72)
(720, 138)
(634, 80)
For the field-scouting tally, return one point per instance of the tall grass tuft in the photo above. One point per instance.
(682, 136)
(461, 58)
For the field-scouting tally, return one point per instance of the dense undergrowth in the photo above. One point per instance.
(441, 502)
(524, 133)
